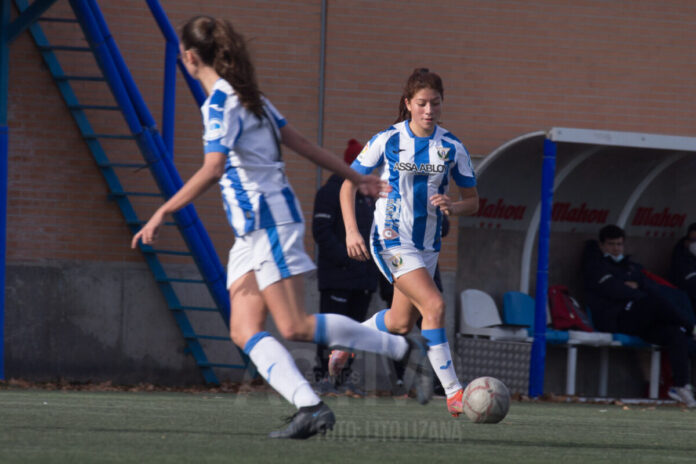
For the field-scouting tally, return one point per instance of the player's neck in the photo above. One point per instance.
(419, 131)
(208, 77)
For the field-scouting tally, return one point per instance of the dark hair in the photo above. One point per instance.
(692, 227)
(221, 47)
(421, 78)
(610, 232)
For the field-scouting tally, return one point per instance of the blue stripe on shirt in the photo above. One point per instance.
(242, 199)
(215, 146)
(292, 205)
(420, 193)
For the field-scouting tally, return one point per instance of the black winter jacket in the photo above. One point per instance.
(336, 269)
(606, 294)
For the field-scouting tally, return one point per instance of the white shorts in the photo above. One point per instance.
(397, 261)
(273, 254)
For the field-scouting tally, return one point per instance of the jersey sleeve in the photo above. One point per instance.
(223, 124)
(463, 172)
(277, 116)
(371, 156)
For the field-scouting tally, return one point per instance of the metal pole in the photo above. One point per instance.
(322, 83)
(170, 62)
(169, 98)
(4, 136)
(538, 360)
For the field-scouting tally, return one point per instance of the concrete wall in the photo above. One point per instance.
(94, 323)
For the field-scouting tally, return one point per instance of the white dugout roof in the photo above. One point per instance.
(641, 182)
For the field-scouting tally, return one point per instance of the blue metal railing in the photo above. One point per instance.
(153, 147)
(4, 137)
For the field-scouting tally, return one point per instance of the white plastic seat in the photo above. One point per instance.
(479, 317)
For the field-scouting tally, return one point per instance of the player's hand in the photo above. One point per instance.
(443, 202)
(150, 231)
(355, 245)
(373, 186)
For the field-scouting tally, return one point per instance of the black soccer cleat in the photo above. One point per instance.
(307, 422)
(418, 368)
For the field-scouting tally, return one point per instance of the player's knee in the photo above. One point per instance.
(401, 328)
(296, 332)
(238, 337)
(434, 310)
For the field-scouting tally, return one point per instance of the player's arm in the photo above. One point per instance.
(354, 242)
(467, 205)
(368, 185)
(213, 168)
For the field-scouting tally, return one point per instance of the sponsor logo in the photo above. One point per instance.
(389, 234)
(443, 152)
(392, 212)
(397, 261)
(665, 218)
(562, 212)
(500, 210)
(214, 129)
(419, 169)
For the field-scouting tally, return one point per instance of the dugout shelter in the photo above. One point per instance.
(545, 193)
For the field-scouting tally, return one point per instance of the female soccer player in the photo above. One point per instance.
(242, 136)
(416, 157)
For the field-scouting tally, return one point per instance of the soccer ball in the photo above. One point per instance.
(486, 400)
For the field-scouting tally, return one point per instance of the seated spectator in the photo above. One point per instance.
(683, 269)
(622, 299)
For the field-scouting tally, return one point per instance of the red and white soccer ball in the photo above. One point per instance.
(486, 400)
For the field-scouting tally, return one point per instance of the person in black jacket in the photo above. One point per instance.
(622, 299)
(683, 269)
(345, 285)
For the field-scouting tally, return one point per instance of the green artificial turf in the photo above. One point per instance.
(104, 427)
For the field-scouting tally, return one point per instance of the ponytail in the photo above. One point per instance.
(220, 46)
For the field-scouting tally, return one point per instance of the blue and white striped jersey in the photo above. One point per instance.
(255, 191)
(416, 168)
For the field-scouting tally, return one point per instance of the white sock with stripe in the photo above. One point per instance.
(377, 321)
(277, 367)
(337, 331)
(440, 357)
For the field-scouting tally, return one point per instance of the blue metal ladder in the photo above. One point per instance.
(141, 129)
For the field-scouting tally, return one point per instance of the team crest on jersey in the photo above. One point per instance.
(214, 129)
(397, 261)
(443, 152)
(389, 234)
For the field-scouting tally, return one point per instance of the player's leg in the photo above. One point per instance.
(418, 286)
(285, 300)
(272, 360)
(330, 301)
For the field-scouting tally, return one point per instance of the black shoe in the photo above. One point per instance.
(418, 370)
(306, 422)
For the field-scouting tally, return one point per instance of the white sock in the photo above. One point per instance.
(337, 331)
(377, 321)
(441, 359)
(277, 367)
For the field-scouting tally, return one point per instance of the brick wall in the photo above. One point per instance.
(509, 67)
